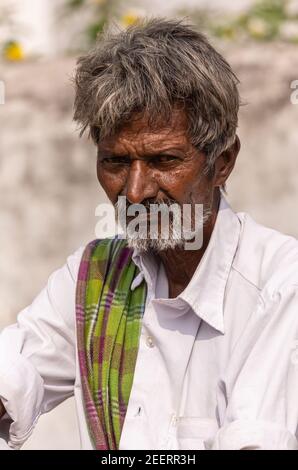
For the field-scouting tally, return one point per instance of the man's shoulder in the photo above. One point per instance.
(266, 257)
(73, 261)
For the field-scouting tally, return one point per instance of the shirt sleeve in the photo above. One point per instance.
(258, 396)
(37, 356)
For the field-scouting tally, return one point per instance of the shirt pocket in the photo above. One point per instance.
(192, 432)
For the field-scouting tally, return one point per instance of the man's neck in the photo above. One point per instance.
(180, 264)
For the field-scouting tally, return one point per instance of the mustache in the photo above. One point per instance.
(147, 202)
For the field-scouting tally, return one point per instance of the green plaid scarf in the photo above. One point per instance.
(108, 318)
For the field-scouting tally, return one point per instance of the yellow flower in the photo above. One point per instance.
(13, 51)
(258, 28)
(129, 19)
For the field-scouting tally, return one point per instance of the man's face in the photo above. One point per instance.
(154, 166)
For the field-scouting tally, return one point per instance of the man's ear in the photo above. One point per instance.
(225, 162)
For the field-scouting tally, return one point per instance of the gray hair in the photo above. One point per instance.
(149, 68)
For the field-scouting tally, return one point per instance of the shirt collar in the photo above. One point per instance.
(206, 289)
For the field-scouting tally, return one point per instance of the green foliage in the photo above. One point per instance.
(262, 21)
(102, 11)
(76, 3)
(95, 28)
(273, 11)
(268, 15)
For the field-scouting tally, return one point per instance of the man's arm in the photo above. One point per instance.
(37, 355)
(258, 395)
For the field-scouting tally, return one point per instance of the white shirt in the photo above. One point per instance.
(217, 366)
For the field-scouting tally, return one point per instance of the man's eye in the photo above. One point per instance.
(163, 159)
(116, 160)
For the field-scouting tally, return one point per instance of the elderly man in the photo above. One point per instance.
(165, 346)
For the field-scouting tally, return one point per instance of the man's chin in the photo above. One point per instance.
(156, 245)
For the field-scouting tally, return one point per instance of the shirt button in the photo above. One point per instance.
(149, 342)
(175, 420)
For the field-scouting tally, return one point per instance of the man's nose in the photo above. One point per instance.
(140, 183)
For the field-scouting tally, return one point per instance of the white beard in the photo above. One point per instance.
(159, 240)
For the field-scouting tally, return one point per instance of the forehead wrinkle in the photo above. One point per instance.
(148, 141)
(137, 133)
